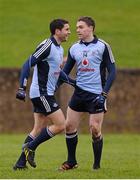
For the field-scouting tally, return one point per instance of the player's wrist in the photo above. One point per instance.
(104, 94)
(21, 93)
(22, 88)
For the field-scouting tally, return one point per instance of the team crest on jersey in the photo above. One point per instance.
(85, 62)
(85, 53)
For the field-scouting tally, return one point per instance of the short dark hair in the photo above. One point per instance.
(57, 24)
(88, 20)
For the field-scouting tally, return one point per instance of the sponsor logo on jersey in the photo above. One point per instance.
(85, 62)
(87, 69)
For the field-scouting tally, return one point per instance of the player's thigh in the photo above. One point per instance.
(39, 120)
(39, 124)
(57, 117)
(72, 119)
(96, 120)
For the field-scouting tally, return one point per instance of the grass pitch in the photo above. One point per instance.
(24, 24)
(121, 158)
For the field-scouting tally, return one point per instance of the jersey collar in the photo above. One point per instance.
(54, 41)
(94, 41)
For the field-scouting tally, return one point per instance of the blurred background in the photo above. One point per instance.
(25, 23)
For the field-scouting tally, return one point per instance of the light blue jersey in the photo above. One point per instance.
(92, 60)
(47, 60)
(46, 74)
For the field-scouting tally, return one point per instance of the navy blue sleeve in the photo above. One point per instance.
(41, 52)
(110, 65)
(65, 72)
(25, 71)
(69, 64)
(65, 78)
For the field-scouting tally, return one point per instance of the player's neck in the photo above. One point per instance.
(57, 39)
(88, 39)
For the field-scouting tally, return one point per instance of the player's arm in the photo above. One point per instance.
(41, 52)
(110, 64)
(69, 64)
(65, 72)
(25, 72)
(66, 79)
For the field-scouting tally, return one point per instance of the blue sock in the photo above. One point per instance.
(97, 145)
(71, 142)
(22, 159)
(45, 135)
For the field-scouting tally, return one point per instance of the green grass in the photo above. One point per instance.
(24, 23)
(121, 158)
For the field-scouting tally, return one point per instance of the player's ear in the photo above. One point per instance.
(92, 29)
(57, 31)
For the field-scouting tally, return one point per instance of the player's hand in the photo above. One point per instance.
(72, 82)
(64, 78)
(21, 94)
(99, 101)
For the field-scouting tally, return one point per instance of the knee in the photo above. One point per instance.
(36, 130)
(62, 127)
(70, 128)
(95, 130)
(59, 128)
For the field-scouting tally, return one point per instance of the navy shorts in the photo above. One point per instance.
(45, 104)
(82, 101)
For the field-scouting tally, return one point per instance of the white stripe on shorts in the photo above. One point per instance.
(45, 103)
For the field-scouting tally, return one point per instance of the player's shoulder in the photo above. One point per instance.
(46, 42)
(75, 44)
(103, 42)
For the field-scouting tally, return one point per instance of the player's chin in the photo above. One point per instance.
(65, 39)
(80, 36)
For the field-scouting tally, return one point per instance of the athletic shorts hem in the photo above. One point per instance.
(76, 109)
(46, 113)
(45, 105)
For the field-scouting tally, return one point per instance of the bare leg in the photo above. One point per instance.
(39, 123)
(95, 123)
(58, 126)
(72, 123)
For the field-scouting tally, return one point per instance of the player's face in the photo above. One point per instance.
(84, 31)
(64, 33)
